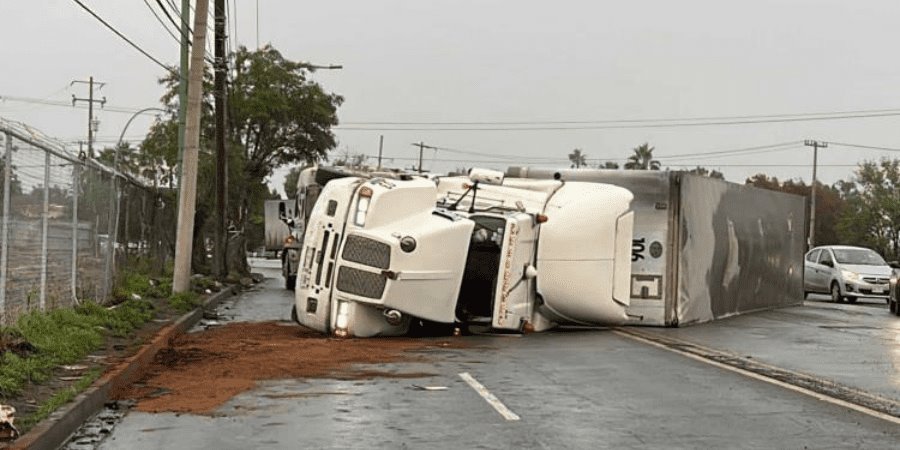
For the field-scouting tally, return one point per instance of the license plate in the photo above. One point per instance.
(877, 290)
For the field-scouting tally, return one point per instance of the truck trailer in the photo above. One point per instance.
(703, 248)
(381, 255)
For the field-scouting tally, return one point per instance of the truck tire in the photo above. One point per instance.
(290, 282)
(326, 174)
(294, 314)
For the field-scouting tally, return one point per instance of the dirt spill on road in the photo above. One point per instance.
(201, 371)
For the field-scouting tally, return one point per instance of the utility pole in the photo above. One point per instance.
(91, 101)
(812, 202)
(220, 258)
(422, 147)
(187, 193)
(183, 81)
(380, 147)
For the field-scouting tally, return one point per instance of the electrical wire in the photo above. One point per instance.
(161, 22)
(129, 41)
(773, 119)
(169, 16)
(869, 147)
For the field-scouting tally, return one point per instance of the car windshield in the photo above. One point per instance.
(858, 256)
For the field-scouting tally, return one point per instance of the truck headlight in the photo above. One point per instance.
(343, 316)
(362, 206)
(849, 276)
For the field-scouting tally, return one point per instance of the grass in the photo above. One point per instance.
(60, 398)
(64, 336)
(184, 301)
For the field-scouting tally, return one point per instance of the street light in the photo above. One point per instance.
(112, 228)
(328, 67)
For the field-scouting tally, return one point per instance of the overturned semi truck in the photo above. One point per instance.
(380, 255)
(703, 248)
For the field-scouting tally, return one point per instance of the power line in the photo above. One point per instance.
(611, 121)
(869, 147)
(629, 126)
(68, 104)
(159, 19)
(135, 46)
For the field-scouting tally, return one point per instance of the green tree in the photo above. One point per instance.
(642, 159)
(578, 158)
(608, 165)
(276, 117)
(872, 214)
(703, 171)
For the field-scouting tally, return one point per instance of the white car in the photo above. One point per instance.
(846, 273)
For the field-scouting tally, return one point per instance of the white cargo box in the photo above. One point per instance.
(704, 248)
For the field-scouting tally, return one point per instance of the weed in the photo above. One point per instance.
(60, 398)
(184, 301)
(64, 336)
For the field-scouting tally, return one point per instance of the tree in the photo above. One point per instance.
(642, 159)
(290, 182)
(872, 214)
(276, 117)
(703, 171)
(578, 158)
(608, 165)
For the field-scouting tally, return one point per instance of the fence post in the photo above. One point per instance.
(45, 223)
(4, 239)
(76, 186)
(110, 244)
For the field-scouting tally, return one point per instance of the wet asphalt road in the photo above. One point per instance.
(571, 389)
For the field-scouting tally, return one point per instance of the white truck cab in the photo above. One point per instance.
(525, 254)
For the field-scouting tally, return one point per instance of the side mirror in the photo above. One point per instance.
(828, 263)
(894, 264)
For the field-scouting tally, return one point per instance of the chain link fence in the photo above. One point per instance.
(70, 223)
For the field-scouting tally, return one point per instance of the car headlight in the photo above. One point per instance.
(849, 276)
(362, 206)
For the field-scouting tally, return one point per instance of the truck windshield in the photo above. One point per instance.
(859, 256)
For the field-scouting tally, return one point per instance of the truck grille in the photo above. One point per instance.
(367, 251)
(360, 282)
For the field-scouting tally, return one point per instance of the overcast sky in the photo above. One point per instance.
(408, 62)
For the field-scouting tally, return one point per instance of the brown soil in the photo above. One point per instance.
(201, 371)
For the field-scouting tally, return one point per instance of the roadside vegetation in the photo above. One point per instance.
(38, 347)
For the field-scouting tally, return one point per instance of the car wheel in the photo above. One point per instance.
(850, 299)
(836, 293)
(892, 307)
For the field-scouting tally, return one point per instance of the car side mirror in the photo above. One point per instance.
(894, 264)
(828, 263)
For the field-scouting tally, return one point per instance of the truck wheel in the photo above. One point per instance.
(290, 282)
(326, 174)
(836, 293)
(294, 314)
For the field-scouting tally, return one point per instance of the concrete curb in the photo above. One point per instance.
(53, 432)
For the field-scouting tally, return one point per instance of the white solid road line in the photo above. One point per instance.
(488, 397)
(754, 375)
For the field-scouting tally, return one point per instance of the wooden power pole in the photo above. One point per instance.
(187, 193)
(90, 101)
(812, 200)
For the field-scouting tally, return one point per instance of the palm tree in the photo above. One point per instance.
(578, 158)
(642, 159)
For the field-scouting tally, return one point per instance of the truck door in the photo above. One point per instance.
(513, 301)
